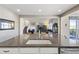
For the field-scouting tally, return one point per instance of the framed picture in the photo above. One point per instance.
(6, 24)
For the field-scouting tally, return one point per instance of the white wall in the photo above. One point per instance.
(64, 29)
(7, 14)
(22, 25)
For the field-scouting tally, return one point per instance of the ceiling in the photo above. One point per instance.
(39, 9)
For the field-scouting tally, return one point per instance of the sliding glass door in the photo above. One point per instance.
(74, 27)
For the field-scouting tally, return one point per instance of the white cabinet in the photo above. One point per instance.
(29, 50)
(49, 50)
(8, 50)
(39, 50)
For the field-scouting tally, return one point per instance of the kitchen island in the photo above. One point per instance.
(26, 44)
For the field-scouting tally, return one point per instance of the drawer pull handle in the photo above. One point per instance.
(6, 51)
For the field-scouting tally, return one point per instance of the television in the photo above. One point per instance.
(6, 24)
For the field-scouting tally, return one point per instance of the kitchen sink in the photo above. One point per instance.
(38, 42)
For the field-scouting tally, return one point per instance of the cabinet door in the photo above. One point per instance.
(8, 50)
(49, 50)
(29, 50)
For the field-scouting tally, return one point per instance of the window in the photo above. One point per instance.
(72, 28)
(6, 24)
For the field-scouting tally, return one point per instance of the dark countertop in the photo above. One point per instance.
(20, 41)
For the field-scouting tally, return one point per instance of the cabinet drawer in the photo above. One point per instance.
(29, 50)
(8, 50)
(49, 50)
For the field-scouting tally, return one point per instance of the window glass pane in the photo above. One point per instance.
(72, 24)
(72, 28)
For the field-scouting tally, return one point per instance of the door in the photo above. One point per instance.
(74, 27)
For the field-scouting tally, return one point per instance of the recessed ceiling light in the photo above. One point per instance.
(59, 10)
(40, 10)
(18, 10)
